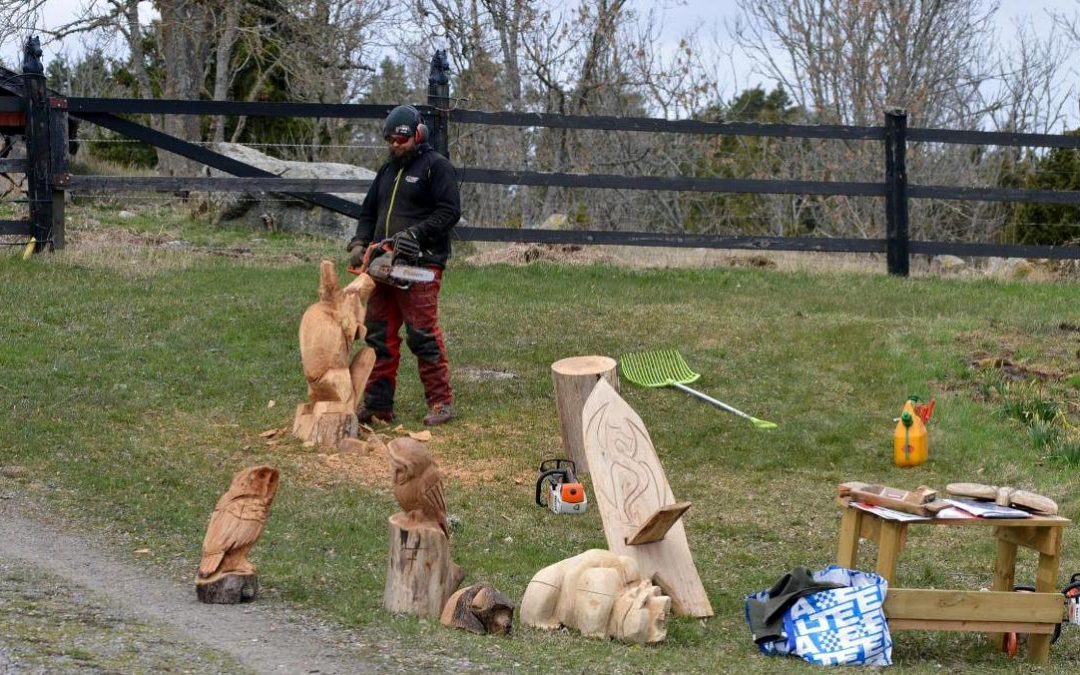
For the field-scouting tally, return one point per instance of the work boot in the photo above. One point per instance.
(367, 416)
(440, 413)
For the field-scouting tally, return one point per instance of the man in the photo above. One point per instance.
(414, 202)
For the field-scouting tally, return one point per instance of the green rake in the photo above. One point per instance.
(667, 368)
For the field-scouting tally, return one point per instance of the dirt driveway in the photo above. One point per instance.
(66, 606)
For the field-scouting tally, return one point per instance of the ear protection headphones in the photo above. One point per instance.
(421, 128)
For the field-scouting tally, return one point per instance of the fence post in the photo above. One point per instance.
(37, 145)
(896, 193)
(58, 165)
(439, 98)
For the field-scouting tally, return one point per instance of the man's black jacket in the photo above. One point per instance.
(420, 195)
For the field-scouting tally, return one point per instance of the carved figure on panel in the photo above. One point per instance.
(225, 574)
(641, 516)
(600, 594)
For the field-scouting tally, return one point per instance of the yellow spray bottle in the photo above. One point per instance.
(910, 442)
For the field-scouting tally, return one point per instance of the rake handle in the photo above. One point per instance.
(710, 399)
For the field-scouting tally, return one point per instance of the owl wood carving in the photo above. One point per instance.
(237, 522)
(328, 330)
(417, 483)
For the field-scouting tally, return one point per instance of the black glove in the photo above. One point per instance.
(406, 247)
(356, 253)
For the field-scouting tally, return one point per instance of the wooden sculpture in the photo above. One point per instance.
(641, 518)
(225, 575)
(479, 609)
(600, 594)
(420, 576)
(1005, 496)
(574, 380)
(335, 377)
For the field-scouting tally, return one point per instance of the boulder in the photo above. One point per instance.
(556, 221)
(274, 212)
(946, 264)
(1008, 268)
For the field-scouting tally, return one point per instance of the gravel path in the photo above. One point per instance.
(66, 606)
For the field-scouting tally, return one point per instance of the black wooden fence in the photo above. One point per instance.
(45, 127)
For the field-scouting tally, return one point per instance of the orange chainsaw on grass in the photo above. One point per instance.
(390, 264)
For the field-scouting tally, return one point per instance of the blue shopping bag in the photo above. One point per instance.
(843, 625)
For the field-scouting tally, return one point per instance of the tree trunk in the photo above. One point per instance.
(223, 62)
(183, 47)
(574, 379)
(420, 576)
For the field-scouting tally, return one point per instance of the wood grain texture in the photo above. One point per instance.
(420, 576)
(658, 524)
(237, 522)
(630, 486)
(335, 375)
(944, 605)
(600, 594)
(574, 379)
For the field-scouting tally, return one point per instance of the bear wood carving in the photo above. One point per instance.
(479, 609)
(335, 377)
(225, 575)
(420, 575)
(600, 594)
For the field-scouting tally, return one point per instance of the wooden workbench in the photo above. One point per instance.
(997, 611)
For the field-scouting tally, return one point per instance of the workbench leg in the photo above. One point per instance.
(1045, 582)
(890, 543)
(1004, 578)
(847, 551)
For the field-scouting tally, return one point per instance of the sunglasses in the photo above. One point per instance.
(398, 139)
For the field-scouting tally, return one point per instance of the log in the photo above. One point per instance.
(574, 379)
(420, 576)
(325, 422)
(229, 589)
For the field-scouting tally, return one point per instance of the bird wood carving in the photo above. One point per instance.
(328, 330)
(417, 483)
(237, 522)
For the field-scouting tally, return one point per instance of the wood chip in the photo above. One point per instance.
(141, 551)
(420, 435)
(271, 403)
(400, 429)
(354, 445)
(269, 433)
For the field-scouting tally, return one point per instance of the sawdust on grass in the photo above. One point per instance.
(368, 465)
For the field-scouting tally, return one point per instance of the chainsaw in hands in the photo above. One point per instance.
(387, 266)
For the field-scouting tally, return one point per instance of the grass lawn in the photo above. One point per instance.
(138, 367)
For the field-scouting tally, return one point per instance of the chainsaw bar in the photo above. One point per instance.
(412, 274)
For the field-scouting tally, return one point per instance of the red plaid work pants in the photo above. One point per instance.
(418, 308)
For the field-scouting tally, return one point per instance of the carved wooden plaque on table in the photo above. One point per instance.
(630, 488)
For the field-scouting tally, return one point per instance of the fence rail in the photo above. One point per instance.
(46, 119)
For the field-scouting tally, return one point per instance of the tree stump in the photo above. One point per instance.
(325, 422)
(420, 576)
(228, 589)
(574, 379)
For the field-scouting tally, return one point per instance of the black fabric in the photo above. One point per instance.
(402, 120)
(766, 618)
(423, 344)
(427, 203)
